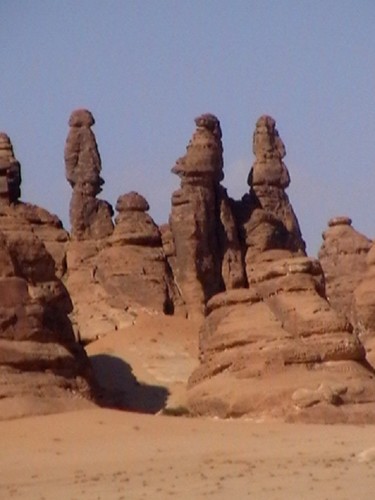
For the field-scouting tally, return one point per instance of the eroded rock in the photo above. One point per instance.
(90, 217)
(343, 258)
(208, 257)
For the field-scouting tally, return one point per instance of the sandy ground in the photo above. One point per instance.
(109, 454)
(112, 454)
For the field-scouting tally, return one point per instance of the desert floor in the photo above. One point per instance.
(140, 454)
(101, 454)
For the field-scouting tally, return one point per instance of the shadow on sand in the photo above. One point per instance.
(119, 388)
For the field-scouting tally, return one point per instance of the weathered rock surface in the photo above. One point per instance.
(265, 214)
(278, 349)
(10, 172)
(90, 218)
(17, 217)
(132, 267)
(343, 258)
(208, 257)
(364, 307)
(42, 368)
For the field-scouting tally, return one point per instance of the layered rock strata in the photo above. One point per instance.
(90, 217)
(132, 268)
(343, 259)
(364, 307)
(265, 215)
(16, 217)
(42, 368)
(278, 349)
(208, 257)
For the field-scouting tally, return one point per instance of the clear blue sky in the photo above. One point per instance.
(146, 68)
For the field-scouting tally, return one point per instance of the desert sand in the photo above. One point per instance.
(102, 454)
(142, 454)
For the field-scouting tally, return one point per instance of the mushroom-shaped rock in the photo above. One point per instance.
(132, 267)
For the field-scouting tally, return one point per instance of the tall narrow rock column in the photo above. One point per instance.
(10, 172)
(200, 221)
(266, 215)
(90, 218)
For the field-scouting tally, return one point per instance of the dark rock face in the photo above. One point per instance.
(17, 217)
(343, 258)
(208, 256)
(10, 172)
(90, 218)
(42, 369)
(266, 216)
(132, 267)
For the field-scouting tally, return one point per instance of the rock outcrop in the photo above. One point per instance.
(90, 218)
(265, 214)
(10, 172)
(343, 259)
(364, 307)
(278, 349)
(16, 217)
(132, 268)
(208, 257)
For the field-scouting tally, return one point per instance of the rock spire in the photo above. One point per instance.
(90, 218)
(10, 172)
(208, 255)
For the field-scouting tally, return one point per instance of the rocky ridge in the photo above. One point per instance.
(271, 344)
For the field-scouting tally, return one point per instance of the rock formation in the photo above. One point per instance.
(278, 349)
(364, 307)
(42, 369)
(10, 172)
(132, 268)
(343, 258)
(265, 214)
(90, 218)
(208, 257)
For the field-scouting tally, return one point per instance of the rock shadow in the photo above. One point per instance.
(119, 388)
